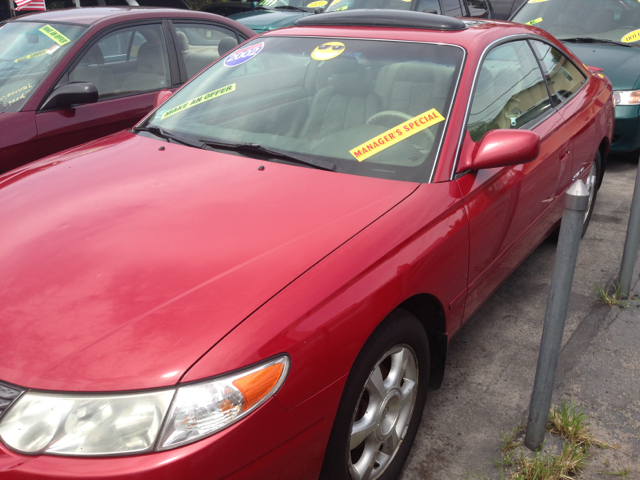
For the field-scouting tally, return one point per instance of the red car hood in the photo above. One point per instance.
(121, 265)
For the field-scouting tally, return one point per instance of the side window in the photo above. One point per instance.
(452, 8)
(202, 44)
(478, 8)
(510, 91)
(433, 5)
(131, 60)
(564, 77)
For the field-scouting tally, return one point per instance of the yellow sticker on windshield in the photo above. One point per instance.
(396, 134)
(327, 51)
(321, 3)
(533, 22)
(537, 1)
(11, 97)
(32, 55)
(631, 36)
(54, 35)
(201, 99)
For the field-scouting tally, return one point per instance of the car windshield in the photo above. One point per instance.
(339, 5)
(28, 51)
(368, 107)
(306, 5)
(608, 21)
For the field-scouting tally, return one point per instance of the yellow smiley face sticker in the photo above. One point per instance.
(327, 51)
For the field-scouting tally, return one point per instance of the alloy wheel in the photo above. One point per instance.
(383, 413)
(592, 181)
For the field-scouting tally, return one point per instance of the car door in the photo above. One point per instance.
(128, 66)
(509, 209)
(200, 44)
(565, 81)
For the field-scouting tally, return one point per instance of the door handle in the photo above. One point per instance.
(564, 156)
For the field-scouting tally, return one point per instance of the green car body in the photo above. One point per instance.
(603, 34)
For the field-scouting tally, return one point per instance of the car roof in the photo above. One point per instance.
(477, 34)
(103, 16)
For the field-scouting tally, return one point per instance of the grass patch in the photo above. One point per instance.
(567, 421)
(611, 297)
(619, 473)
(547, 466)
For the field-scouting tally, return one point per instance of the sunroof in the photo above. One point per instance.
(383, 18)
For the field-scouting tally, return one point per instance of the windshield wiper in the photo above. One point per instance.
(291, 7)
(238, 147)
(257, 148)
(594, 40)
(159, 132)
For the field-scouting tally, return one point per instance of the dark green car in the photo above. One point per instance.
(272, 14)
(604, 34)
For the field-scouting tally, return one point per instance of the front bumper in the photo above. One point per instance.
(626, 137)
(271, 443)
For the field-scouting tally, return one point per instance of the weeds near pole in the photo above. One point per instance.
(567, 421)
(611, 298)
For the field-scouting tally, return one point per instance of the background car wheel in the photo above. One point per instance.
(382, 403)
(592, 185)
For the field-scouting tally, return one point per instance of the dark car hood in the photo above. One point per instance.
(265, 20)
(121, 265)
(620, 64)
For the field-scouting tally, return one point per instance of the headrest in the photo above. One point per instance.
(93, 56)
(182, 40)
(226, 44)
(342, 64)
(352, 83)
(149, 59)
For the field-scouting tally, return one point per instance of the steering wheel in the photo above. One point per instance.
(389, 118)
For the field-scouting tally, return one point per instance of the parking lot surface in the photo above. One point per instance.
(491, 363)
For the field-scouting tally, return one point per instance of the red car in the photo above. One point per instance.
(71, 76)
(260, 280)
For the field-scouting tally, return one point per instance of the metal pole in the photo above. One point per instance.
(631, 243)
(576, 203)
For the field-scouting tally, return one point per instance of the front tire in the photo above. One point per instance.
(382, 403)
(592, 185)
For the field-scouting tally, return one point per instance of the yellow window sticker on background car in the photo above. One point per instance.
(537, 1)
(54, 35)
(533, 22)
(32, 55)
(396, 134)
(631, 36)
(321, 3)
(201, 99)
(327, 51)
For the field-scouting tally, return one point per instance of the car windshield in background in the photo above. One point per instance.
(28, 52)
(339, 5)
(369, 107)
(606, 21)
(301, 5)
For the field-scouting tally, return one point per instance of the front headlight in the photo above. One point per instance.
(119, 424)
(85, 424)
(631, 97)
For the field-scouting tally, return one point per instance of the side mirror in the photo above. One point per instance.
(162, 97)
(502, 148)
(76, 93)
